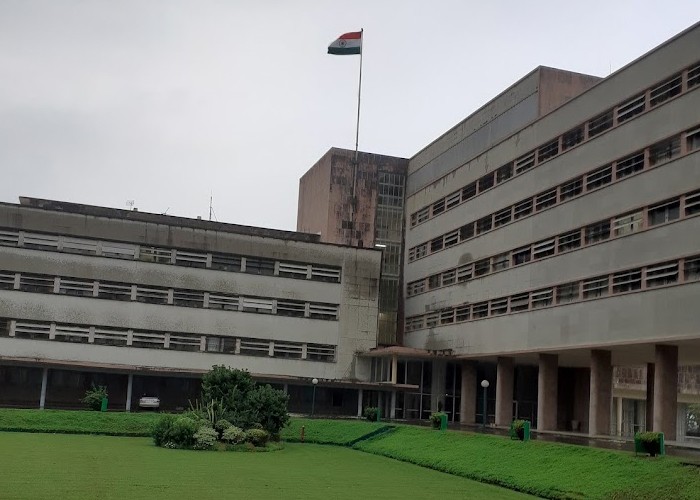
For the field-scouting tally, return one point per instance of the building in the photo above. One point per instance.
(360, 204)
(146, 303)
(546, 247)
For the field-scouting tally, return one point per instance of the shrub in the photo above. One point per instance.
(267, 407)
(650, 442)
(183, 431)
(257, 437)
(371, 413)
(163, 430)
(209, 412)
(233, 435)
(93, 397)
(519, 429)
(221, 426)
(436, 420)
(230, 388)
(205, 438)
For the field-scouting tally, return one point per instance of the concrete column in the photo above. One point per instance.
(601, 393)
(392, 408)
(504, 392)
(44, 383)
(649, 413)
(468, 394)
(129, 387)
(547, 386)
(619, 416)
(359, 402)
(437, 386)
(394, 369)
(666, 390)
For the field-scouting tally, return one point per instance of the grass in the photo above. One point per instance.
(77, 422)
(42, 466)
(338, 432)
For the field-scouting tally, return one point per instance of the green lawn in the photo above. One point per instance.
(46, 466)
(78, 422)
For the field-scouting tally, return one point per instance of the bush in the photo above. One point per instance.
(233, 435)
(519, 429)
(650, 442)
(257, 437)
(436, 420)
(230, 388)
(93, 397)
(183, 431)
(205, 438)
(371, 413)
(221, 426)
(163, 430)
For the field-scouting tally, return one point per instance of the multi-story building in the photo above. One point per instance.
(360, 204)
(146, 303)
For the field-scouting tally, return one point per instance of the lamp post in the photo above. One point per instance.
(314, 381)
(485, 385)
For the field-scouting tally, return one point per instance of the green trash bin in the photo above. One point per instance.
(443, 422)
(103, 407)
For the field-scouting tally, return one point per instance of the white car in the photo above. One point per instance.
(148, 402)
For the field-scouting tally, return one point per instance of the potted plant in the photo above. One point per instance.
(651, 443)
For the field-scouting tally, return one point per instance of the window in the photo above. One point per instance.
(452, 200)
(631, 108)
(151, 295)
(543, 249)
(567, 292)
(693, 77)
(482, 267)
(692, 203)
(520, 302)
(188, 298)
(113, 291)
(469, 191)
(223, 302)
(325, 273)
(157, 255)
(421, 250)
(254, 347)
(224, 262)
(466, 231)
(595, 287)
(110, 336)
(449, 277)
(148, 340)
(292, 270)
(185, 342)
(257, 305)
(85, 247)
(36, 283)
(662, 274)
(626, 224)
(692, 139)
(569, 241)
(629, 165)
(464, 272)
(320, 352)
(525, 163)
(414, 323)
(486, 182)
(7, 280)
(626, 281)
(26, 330)
(255, 265)
(118, 250)
(484, 224)
(548, 150)
(665, 91)
(432, 319)
(599, 178)
(190, 259)
(499, 306)
(480, 310)
(70, 333)
(600, 123)
(462, 313)
(433, 281)
(664, 212)
(522, 209)
(438, 207)
(691, 268)
(599, 231)
(323, 311)
(571, 138)
(221, 344)
(504, 173)
(447, 316)
(452, 238)
(542, 298)
(9, 238)
(40, 241)
(421, 215)
(502, 217)
(294, 308)
(501, 261)
(436, 244)
(521, 255)
(664, 150)
(415, 287)
(289, 350)
(571, 189)
(76, 287)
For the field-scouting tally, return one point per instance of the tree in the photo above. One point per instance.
(268, 407)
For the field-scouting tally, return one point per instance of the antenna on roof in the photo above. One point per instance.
(211, 207)
(130, 204)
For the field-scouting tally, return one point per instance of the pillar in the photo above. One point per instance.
(44, 383)
(129, 387)
(394, 369)
(547, 386)
(437, 386)
(392, 408)
(359, 402)
(619, 416)
(649, 413)
(666, 390)
(504, 392)
(600, 404)
(468, 394)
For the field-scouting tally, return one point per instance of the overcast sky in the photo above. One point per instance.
(164, 102)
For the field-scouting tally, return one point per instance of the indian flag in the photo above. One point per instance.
(349, 43)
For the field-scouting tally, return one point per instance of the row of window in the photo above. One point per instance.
(652, 97)
(630, 280)
(687, 205)
(42, 283)
(187, 258)
(100, 335)
(622, 168)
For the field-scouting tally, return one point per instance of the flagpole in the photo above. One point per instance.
(357, 131)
